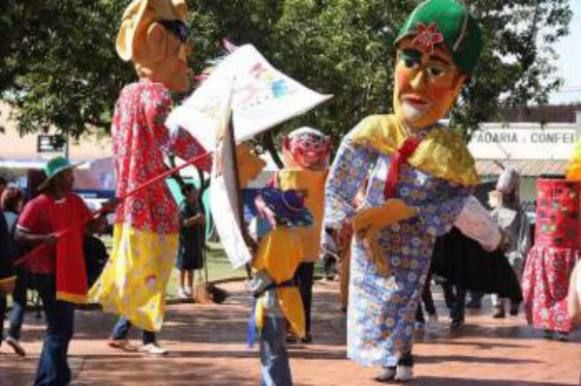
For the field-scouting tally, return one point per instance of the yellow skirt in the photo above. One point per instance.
(133, 282)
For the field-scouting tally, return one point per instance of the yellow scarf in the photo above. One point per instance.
(442, 153)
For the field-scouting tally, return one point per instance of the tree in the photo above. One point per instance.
(61, 68)
(59, 65)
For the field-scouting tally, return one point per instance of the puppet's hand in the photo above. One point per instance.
(369, 221)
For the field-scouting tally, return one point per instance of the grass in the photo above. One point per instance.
(219, 267)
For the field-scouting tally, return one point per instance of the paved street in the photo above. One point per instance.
(207, 348)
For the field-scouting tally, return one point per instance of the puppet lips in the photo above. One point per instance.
(416, 101)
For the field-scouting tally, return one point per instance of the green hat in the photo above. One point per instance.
(449, 23)
(53, 167)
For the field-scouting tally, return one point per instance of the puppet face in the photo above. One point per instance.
(426, 84)
(307, 150)
(164, 56)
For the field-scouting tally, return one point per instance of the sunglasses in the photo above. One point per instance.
(178, 28)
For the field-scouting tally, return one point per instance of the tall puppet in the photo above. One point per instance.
(557, 248)
(419, 176)
(153, 35)
(306, 155)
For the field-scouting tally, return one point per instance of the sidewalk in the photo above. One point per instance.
(207, 345)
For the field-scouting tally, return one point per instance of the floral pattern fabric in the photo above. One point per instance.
(382, 309)
(545, 284)
(146, 229)
(140, 140)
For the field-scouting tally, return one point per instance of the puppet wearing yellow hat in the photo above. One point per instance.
(154, 37)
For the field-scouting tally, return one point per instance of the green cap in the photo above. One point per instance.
(449, 23)
(53, 167)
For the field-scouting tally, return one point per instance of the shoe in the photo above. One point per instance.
(562, 336)
(121, 344)
(498, 312)
(153, 349)
(18, 350)
(419, 326)
(514, 309)
(182, 295)
(189, 292)
(404, 373)
(386, 375)
(456, 324)
(307, 339)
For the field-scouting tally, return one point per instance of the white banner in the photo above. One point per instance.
(262, 97)
(247, 88)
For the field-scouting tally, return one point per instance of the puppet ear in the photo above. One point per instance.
(156, 42)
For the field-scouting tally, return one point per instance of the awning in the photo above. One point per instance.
(526, 168)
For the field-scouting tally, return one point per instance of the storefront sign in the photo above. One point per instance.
(523, 142)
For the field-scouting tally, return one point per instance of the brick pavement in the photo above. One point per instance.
(207, 348)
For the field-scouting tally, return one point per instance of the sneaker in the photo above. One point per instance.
(562, 336)
(386, 375)
(404, 373)
(121, 344)
(18, 350)
(153, 349)
(182, 294)
(189, 292)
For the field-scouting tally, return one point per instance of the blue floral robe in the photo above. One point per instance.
(382, 309)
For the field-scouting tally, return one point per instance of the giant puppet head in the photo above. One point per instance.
(437, 50)
(306, 148)
(153, 35)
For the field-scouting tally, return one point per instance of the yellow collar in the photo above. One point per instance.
(442, 153)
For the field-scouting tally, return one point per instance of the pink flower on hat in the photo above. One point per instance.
(428, 37)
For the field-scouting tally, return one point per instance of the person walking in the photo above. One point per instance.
(56, 264)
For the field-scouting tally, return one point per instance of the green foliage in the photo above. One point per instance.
(59, 67)
(62, 69)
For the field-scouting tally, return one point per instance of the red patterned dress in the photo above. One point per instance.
(146, 224)
(551, 260)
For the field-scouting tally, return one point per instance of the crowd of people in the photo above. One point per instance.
(397, 204)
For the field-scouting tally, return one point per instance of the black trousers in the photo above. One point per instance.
(455, 297)
(304, 280)
(427, 299)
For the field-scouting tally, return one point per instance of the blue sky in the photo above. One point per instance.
(569, 62)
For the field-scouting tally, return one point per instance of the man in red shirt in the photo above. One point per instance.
(53, 222)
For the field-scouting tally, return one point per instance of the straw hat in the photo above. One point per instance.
(137, 19)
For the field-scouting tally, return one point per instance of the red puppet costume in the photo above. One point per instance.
(153, 36)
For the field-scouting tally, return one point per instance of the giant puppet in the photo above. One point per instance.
(153, 36)
(557, 249)
(419, 177)
(306, 155)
